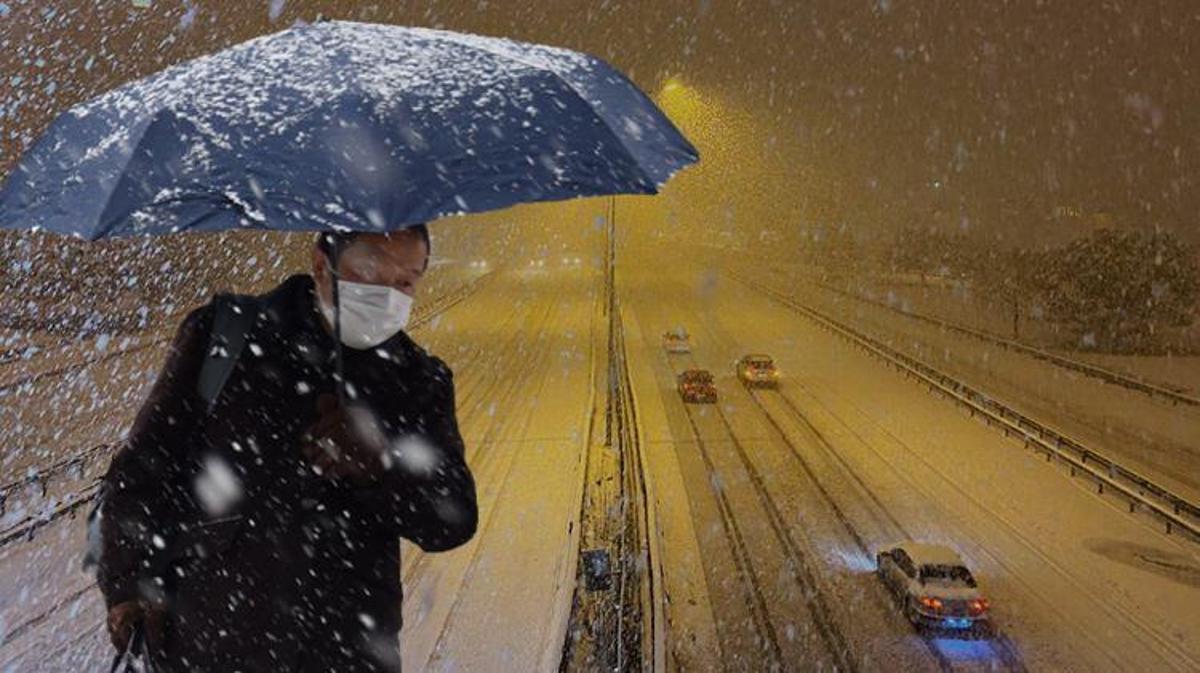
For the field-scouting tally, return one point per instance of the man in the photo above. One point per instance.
(262, 532)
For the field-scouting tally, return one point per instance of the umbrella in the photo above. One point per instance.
(343, 126)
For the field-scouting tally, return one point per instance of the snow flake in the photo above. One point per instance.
(217, 487)
(413, 454)
(275, 8)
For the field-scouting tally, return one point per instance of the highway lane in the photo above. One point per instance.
(1058, 560)
(768, 582)
(500, 602)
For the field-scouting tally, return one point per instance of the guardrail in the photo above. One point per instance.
(1086, 368)
(1174, 511)
(42, 477)
(25, 528)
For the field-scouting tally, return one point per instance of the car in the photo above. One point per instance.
(758, 370)
(696, 385)
(934, 588)
(677, 341)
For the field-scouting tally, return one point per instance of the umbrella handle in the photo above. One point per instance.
(125, 656)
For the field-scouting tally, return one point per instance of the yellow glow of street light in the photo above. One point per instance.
(672, 85)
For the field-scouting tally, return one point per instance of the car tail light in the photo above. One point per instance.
(934, 604)
(979, 606)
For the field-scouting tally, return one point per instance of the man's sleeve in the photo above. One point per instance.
(145, 487)
(426, 493)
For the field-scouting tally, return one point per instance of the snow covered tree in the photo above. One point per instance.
(1009, 277)
(930, 252)
(1117, 290)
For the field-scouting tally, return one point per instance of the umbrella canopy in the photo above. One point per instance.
(343, 126)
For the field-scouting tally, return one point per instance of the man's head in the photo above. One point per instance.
(396, 259)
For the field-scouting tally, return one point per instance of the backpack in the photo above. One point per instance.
(233, 318)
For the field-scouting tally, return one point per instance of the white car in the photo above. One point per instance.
(934, 587)
(677, 341)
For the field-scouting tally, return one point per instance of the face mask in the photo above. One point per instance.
(370, 314)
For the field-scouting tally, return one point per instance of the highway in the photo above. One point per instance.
(767, 506)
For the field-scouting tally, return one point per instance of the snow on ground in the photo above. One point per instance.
(856, 612)
(1077, 583)
(955, 300)
(1178, 371)
(959, 305)
(501, 601)
(692, 643)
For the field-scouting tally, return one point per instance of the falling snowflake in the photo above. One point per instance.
(217, 487)
(415, 455)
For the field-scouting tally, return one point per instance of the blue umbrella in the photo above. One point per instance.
(343, 126)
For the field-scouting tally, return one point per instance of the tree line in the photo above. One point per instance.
(1114, 290)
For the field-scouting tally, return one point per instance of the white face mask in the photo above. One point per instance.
(370, 314)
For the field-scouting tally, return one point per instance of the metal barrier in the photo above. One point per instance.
(1095, 371)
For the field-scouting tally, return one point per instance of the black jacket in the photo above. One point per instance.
(263, 564)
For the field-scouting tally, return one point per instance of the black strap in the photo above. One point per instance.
(232, 320)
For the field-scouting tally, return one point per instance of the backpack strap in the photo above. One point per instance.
(233, 317)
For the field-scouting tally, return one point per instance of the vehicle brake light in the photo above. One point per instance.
(979, 606)
(934, 604)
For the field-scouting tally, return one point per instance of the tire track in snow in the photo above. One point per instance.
(1101, 604)
(1005, 653)
(799, 565)
(741, 556)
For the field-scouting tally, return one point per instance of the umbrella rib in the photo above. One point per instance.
(103, 228)
(570, 87)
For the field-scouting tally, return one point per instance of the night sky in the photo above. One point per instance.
(982, 116)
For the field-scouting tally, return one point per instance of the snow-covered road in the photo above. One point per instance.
(769, 505)
(1157, 437)
(854, 455)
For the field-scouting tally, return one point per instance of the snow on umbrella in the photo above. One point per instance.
(343, 126)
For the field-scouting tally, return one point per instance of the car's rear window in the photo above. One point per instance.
(945, 574)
